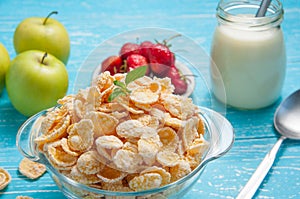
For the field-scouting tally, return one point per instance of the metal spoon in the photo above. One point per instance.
(286, 122)
(263, 8)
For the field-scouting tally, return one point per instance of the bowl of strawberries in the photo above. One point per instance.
(165, 52)
(157, 56)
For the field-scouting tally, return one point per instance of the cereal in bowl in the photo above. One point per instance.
(125, 133)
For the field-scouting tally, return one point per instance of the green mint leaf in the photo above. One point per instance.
(135, 74)
(116, 92)
(120, 84)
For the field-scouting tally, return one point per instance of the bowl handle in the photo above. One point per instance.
(26, 135)
(222, 134)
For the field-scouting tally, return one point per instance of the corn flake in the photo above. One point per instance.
(130, 129)
(88, 163)
(168, 138)
(167, 158)
(30, 169)
(53, 129)
(148, 146)
(81, 135)
(181, 169)
(82, 177)
(146, 94)
(23, 197)
(127, 161)
(189, 132)
(5, 178)
(145, 181)
(104, 124)
(110, 175)
(178, 106)
(166, 176)
(58, 156)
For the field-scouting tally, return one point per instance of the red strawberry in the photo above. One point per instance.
(128, 49)
(177, 80)
(113, 64)
(145, 47)
(135, 60)
(161, 59)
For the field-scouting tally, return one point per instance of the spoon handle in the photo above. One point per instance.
(252, 185)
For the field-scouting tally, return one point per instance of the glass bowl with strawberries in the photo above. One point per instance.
(165, 52)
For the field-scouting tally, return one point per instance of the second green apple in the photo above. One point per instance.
(45, 34)
(35, 81)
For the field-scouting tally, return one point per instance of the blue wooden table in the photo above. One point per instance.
(92, 22)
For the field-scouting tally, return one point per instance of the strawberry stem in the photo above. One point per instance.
(165, 41)
(51, 13)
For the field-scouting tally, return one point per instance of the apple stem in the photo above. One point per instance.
(51, 13)
(45, 55)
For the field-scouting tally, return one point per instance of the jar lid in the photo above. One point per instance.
(242, 14)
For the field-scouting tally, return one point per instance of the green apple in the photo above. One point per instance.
(45, 34)
(4, 64)
(35, 81)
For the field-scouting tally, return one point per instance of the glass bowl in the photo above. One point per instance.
(219, 134)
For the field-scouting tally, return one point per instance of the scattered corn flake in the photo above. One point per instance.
(5, 178)
(23, 197)
(88, 163)
(167, 158)
(104, 124)
(145, 181)
(30, 169)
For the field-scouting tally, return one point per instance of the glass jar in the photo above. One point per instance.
(248, 54)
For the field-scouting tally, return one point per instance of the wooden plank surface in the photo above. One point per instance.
(91, 22)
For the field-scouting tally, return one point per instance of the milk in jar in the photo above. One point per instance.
(248, 55)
